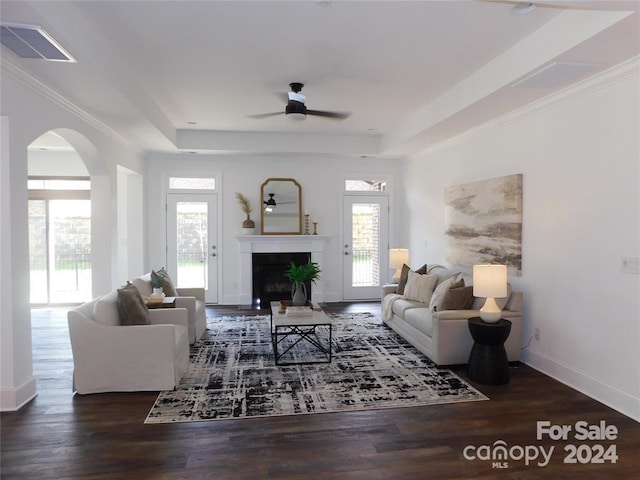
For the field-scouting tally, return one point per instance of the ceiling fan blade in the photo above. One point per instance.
(284, 97)
(335, 115)
(265, 115)
(559, 4)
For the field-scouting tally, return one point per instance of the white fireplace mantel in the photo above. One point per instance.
(250, 244)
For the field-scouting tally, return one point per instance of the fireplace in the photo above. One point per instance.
(269, 282)
(310, 246)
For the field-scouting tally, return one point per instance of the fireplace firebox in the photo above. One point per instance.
(269, 282)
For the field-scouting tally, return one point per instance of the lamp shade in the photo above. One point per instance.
(398, 257)
(490, 281)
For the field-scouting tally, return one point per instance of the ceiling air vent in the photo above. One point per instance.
(30, 41)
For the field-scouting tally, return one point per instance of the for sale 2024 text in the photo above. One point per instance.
(582, 431)
(586, 450)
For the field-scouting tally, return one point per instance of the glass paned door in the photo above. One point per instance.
(365, 246)
(192, 254)
(38, 247)
(60, 250)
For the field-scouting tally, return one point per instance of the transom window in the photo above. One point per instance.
(365, 185)
(192, 183)
(47, 183)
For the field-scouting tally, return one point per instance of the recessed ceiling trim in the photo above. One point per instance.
(556, 74)
(32, 41)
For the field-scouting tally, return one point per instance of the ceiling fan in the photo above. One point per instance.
(297, 110)
(523, 7)
(270, 204)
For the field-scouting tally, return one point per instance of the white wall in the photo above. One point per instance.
(130, 217)
(29, 109)
(321, 179)
(56, 163)
(580, 160)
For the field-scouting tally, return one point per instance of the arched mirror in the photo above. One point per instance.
(281, 212)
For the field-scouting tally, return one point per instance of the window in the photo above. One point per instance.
(192, 183)
(365, 185)
(60, 240)
(35, 183)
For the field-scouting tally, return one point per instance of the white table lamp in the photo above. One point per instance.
(397, 258)
(490, 281)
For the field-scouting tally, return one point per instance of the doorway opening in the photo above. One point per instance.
(59, 221)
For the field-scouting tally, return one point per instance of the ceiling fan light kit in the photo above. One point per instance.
(523, 8)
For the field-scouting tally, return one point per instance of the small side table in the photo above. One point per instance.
(488, 363)
(167, 302)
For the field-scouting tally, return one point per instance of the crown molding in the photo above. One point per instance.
(15, 71)
(598, 81)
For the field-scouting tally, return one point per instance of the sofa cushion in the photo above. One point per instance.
(441, 290)
(404, 275)
(421, 319)
(401, 305)
(164, 279)
(105, 310)
(131, 306)
(457, 298)
(442, 272)
(419, 287)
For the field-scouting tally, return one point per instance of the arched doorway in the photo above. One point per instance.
(59, 221)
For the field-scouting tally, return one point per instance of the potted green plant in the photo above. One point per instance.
(299, 276)
(248, 225)
(156, 283)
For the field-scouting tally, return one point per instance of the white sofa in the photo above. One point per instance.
(109, 357)
(190, 298)
(444, 336)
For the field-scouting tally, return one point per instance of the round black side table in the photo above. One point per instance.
(488, 363)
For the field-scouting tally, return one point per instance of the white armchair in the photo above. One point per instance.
(190, 298)
(109, 357)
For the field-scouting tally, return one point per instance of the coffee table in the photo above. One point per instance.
(298, 329)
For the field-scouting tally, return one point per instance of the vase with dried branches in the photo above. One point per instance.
(248, 225)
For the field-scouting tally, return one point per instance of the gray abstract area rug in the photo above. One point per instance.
(232, 374)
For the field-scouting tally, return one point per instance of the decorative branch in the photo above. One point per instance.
(245, 204)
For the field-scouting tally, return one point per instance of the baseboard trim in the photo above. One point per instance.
(609, 395)
(14, 398)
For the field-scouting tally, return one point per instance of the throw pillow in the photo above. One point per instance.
(419, 287)
(436, 299)
(458, 298)
(165, 280)
(404, 275)
(131, 306)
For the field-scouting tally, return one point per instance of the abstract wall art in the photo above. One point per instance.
(483, 223)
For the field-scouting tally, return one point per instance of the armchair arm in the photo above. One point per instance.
(119, 358)
(191, 292)
(169, 316)
(104, 342)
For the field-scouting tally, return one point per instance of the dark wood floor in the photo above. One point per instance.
(61, 436)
